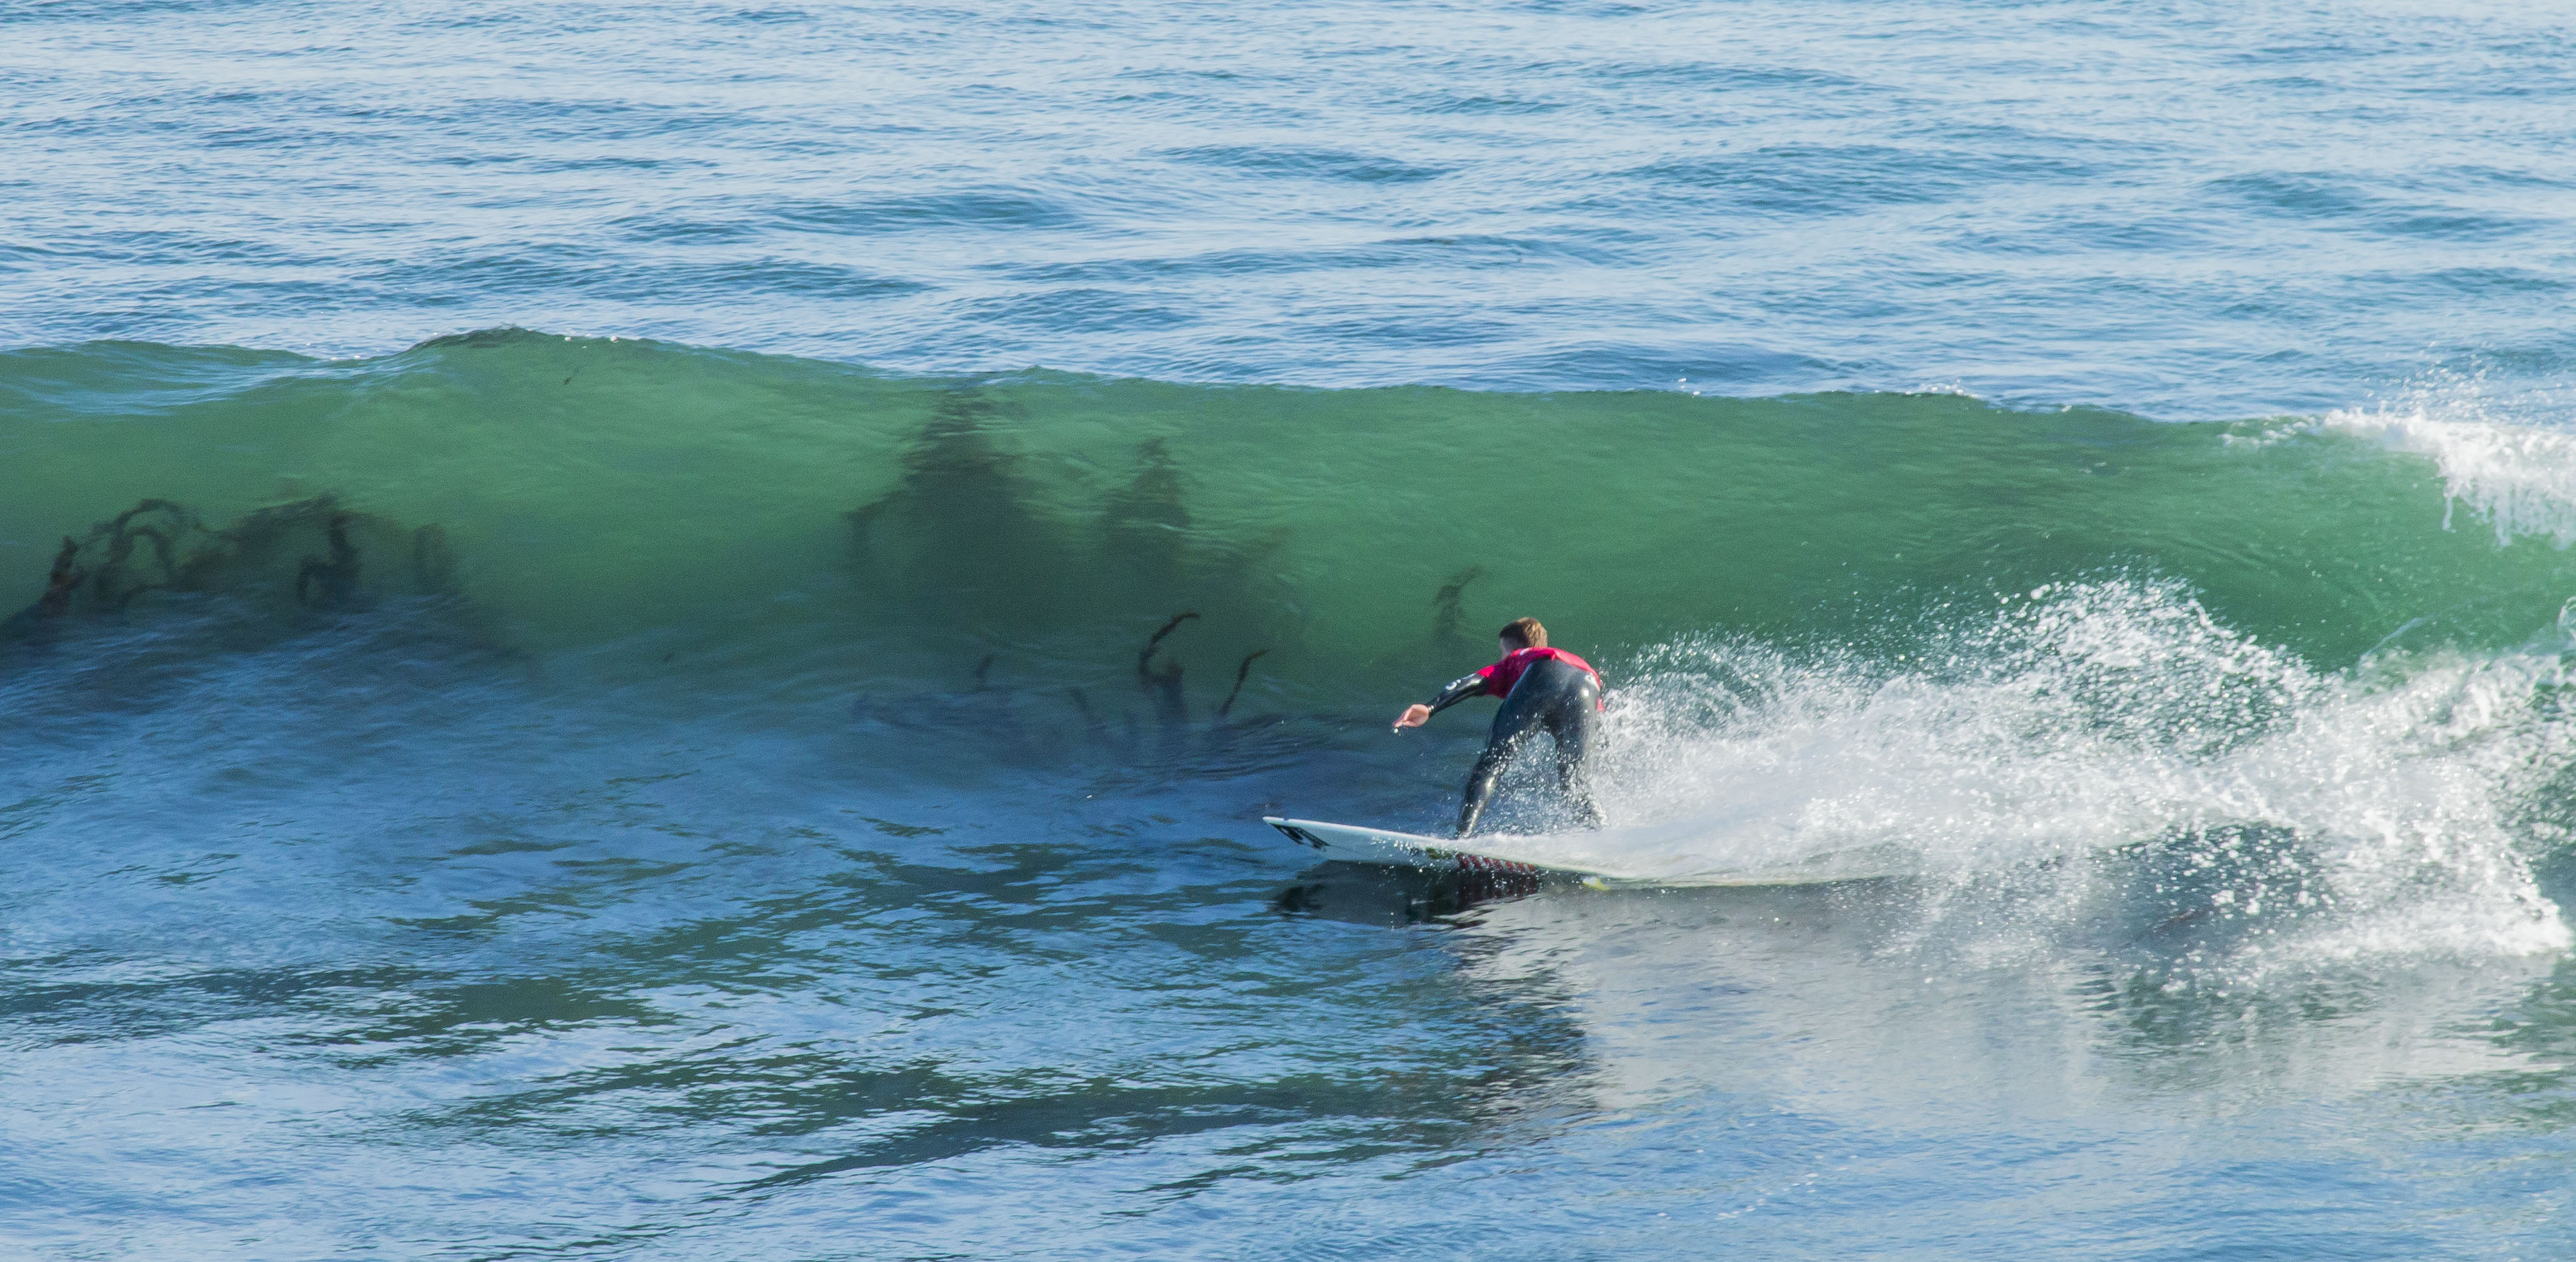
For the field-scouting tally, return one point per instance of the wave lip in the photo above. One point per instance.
(2519, 478)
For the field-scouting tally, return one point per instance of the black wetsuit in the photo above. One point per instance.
(1558, 695)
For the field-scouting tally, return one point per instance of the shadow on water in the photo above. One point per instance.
(1368, 894)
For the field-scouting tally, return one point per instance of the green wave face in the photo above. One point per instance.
(589, 492)
(1902, 632)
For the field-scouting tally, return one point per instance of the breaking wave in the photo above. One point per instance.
(2257, 675)
(2111, 732)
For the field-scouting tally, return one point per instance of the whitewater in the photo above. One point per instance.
(663, 631)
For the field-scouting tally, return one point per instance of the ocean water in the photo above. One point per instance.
(661, 631)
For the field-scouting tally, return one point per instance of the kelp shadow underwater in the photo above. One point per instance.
(157, 581)
(1067, 622)
(966, 557)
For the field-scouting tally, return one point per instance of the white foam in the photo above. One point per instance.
(2520, 478)
(2092, 716)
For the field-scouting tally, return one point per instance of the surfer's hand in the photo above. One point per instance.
(1414, 716)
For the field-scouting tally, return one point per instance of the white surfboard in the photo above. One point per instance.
(1529, 856)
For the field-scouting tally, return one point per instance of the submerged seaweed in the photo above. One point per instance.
(972, 541)
(280, 564)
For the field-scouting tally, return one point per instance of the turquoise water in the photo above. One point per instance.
(603, 695)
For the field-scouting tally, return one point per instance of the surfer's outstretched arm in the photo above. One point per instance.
(1458, 690)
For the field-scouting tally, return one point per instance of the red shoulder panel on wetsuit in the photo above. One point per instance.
(1500, 676)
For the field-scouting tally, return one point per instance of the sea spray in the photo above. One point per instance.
(2111, 736)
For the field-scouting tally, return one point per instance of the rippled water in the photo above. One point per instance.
(491, 786)
(2192, 210)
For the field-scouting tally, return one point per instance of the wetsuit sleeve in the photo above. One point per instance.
(1459, 690)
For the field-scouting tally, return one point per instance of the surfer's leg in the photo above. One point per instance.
(1576, 725)
(1523, 712)
(1480, 787)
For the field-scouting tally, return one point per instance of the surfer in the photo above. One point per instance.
(1540, 687)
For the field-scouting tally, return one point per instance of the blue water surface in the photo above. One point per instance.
(373, 936)
(2190, 210)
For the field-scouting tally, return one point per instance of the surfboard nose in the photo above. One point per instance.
(1294, 833)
